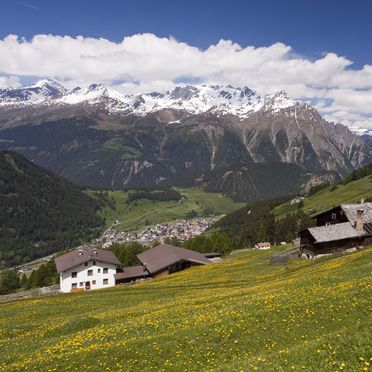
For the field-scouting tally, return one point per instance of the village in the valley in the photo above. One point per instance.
(181, 230)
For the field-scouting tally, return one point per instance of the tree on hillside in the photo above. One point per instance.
(23, 282)
(9, 281)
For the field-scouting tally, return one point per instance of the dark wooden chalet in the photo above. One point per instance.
(343, 227)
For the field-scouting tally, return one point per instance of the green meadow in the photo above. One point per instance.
(140, 213)
(242, 314)
(330, 197)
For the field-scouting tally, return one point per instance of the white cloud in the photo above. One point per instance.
(10, 81)
(146, 62)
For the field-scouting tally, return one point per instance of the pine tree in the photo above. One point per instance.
(24, 281)
(9, 281)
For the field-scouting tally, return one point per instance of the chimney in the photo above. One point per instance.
(80, 252)
(95, 251)
(360, 221)
(362, 201)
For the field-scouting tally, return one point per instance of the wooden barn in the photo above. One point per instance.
(343, 227)
(164, 259)
(131, 274)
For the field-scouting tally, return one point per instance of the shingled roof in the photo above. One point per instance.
(328, 233)
(350, 211)
(132, 272)
(164, 255)
(84, 254)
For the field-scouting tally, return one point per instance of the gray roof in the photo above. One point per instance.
(328, 233)
(84, 254)
(350, 211)
(132, 272)
(164, 255)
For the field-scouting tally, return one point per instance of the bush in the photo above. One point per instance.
(314, 189)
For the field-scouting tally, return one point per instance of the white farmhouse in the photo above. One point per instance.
(86, 268)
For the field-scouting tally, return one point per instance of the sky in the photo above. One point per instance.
(318, 51)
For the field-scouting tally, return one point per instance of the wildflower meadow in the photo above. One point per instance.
(242, 314)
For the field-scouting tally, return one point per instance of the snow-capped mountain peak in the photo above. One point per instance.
(48, 84)
(192, 99)
(43, 90)
(279, 101)
(196, 99)
(92, 94)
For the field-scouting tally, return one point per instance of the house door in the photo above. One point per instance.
(87, 286)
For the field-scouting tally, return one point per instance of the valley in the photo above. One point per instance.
(185, 186)
(135, 215)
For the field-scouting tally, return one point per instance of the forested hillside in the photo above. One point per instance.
(354, 188)
(257, 222)
(281, 219)
(40, 212)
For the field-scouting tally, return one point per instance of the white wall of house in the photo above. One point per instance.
(262, 247)
(96, 274)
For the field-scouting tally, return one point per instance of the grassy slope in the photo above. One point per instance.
(144, 212)
(325, 199)
(237, 315)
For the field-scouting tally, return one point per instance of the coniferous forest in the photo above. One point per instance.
(41, 213)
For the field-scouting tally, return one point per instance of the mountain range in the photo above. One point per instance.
(230, 140)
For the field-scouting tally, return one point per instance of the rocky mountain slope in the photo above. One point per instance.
(219, 136)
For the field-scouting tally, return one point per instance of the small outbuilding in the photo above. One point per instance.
(263, 245)
(131, 274)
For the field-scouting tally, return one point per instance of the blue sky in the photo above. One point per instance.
(318, 51)
(311, 27)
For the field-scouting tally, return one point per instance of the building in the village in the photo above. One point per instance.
(86, 268)
(343, 227)
(263, 245)
(163, 259)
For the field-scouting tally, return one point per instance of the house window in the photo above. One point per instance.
(86, 263)
(93, 282)
(105, 281)
(99, 270)
(81, 284)
(73, 285)
(334, 216)
(105, 270)
(94, 262)
(90, 272)
(74, 274)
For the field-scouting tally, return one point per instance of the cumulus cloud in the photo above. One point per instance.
(146, 62)
(9, 81)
